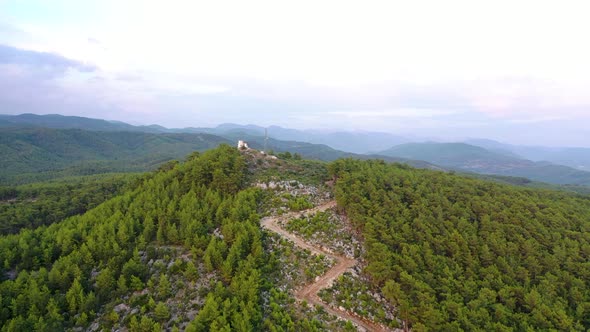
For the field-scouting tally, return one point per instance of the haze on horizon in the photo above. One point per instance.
(517, 72)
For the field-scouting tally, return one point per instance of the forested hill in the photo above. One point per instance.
(182, 249)
(36, 204)
(453, 253)
(185, 240)
(57, 121)
(32, 154)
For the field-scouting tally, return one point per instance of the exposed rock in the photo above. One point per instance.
(121, 308)
(93, 327)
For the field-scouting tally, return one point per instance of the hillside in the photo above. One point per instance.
(476, 159)
(452, 253)
(183, 250)
(570, 156)
(457, 155)
(57, 121)
(37, 204)
(527, 183)
(566, 165)
(85, 265)
(232, 240)
(40, 153)
(352, 142)
(35, 154)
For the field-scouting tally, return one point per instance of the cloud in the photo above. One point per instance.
(339, 43)
(46, 62)
(392, 113)
(526, 99)
(37, 82)
(449, 71)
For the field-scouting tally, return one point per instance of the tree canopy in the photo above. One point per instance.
(65, 273)
(453, 253)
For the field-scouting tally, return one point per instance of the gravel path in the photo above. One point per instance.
(309, 292)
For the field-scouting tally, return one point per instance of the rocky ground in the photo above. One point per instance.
(351, 292)
(297, 266)
(171, 301)
(311, 224)
(328, 230)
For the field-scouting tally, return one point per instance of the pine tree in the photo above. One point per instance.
(122, 285)
(164, 287)
(161, 312)
(105, 283)
(75, 297)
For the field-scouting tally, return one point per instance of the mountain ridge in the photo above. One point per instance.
(38, 153)
(498, 158)
(466, 157)
(356, 142)
(576, 157)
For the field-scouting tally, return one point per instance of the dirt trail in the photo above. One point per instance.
(309, 292)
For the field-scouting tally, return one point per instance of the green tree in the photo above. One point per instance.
(105, 283)
(122, 285)
(164, 287)
(75, 297)
(190, 272)
(161, 312)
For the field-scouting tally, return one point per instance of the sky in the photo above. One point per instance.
(514, 71)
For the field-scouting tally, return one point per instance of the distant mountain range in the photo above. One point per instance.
(35, 147)
(355, 142)
(316, 151)
(158, 143)
(471, 158)
(57, 121)
(574, 157)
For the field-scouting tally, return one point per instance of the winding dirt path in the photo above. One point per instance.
(309, 292)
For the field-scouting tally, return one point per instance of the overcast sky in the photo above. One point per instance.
(515, 71)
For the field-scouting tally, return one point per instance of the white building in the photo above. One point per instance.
(242, 145)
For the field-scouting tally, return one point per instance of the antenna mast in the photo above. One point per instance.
(265, 138)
